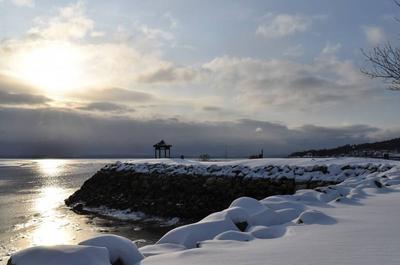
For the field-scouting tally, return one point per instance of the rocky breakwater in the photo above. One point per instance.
(193, 191)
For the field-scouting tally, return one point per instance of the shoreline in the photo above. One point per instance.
(248, 228)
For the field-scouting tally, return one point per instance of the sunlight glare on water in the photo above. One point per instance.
(51, 167)
(51, 228)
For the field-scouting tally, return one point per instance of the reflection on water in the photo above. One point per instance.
(32, 210)
(51, 167)
(49, 231)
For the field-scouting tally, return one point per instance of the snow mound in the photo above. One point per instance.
(61, 255)
(234, 235)
(121, 249)
(315, 217)
(190, 235)
(264, 232)
(250, 205)
(151, 250)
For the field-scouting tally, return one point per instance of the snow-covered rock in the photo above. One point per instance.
(300, 169)
(315, 217)
(61, 255)
(120, 249)
(190, 235)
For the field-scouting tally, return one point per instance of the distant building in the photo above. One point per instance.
(260, 155)
(160, 148)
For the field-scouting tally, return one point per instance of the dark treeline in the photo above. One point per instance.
(389, 145)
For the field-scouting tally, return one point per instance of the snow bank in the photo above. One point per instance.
(61, 255)
(269, 218)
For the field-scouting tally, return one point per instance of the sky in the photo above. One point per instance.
(109, 78)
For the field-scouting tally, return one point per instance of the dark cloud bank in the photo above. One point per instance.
(57, 133)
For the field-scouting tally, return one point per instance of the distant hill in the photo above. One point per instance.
(377, 149)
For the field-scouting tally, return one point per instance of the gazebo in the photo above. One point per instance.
(162, 146)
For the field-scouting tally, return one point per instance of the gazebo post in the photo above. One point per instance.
(161, 146)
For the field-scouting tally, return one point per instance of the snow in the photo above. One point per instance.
(234, 235)
(120, 248)
(353, 223)
(190, 235)
(62, 255)
(300, 169)
(130, 215)
(366, 235)
(151, 250)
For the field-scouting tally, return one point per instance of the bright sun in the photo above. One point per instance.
(55, 67)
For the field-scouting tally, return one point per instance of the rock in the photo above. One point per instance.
(191, 192)
(78, 208)
(378, 184)
(242, 226)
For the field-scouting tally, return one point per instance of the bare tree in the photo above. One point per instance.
(384, 62)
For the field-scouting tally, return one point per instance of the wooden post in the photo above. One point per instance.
(155, 152)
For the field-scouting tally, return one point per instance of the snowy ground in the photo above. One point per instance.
(366, 234)
(355, 222)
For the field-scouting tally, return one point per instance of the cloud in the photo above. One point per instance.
(173, 22)
(11, 98)
(8, 83)
(106, 107)
(267, 83)
(113, 94)
(70, 23)
(130, 69)
(374, 34)
(54, 132)
(330, 50)
(25, 3)
(283, 25)
(145, 37)
(104, 62)
(168, 73)
(156, 33)
(295, 51)
(212, 108)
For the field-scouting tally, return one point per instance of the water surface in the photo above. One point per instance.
(32, 210)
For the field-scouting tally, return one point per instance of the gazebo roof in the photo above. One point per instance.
(162, 144)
